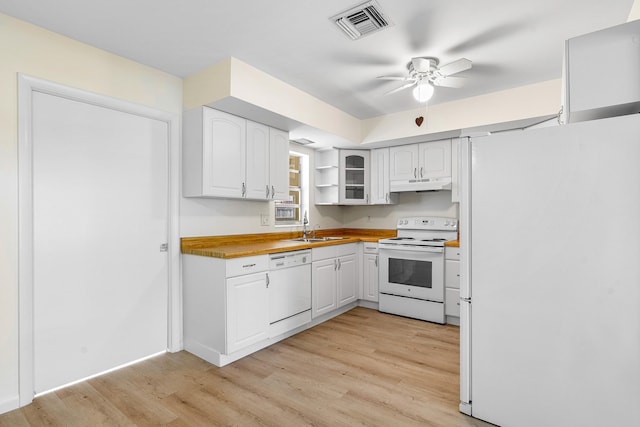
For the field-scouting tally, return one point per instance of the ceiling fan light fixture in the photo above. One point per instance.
(423, 92)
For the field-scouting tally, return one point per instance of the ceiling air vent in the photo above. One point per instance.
(363, 19)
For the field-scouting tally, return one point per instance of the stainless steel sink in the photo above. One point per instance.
(315, 239)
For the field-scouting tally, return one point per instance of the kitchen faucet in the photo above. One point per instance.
(305, 221)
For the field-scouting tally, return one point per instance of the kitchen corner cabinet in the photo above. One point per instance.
(231, 157)
(452, 284)
(334, 277)
(354, 177)
(370, 272)
(380, 180)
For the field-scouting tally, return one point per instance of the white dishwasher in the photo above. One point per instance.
(289, 284)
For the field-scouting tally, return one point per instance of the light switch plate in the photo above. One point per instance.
(264, 219)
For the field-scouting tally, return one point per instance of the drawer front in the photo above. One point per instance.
(346, 249)
(247, 265)
(370, 247)
(451, 252)
(323, 252)
(452, 274)
(452, 302)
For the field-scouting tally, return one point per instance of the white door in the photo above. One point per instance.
(347, 280)
(435, 159)
(279, 164)
(370, 279)
(323, 279)
(380, 176)
(100, 197)
(248, 310)
(224, 154)
(403, 164)
(257, 172)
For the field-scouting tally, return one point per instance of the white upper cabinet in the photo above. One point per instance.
(279, 164)
(327, 176)
(590, 93)
(231, 157)
(257, 169)
(380, 190)
(435, 159)
(213, 153)
(403, 162)
(354, 177)
(421, 167)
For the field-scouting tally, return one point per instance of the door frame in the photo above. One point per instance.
(27, 85)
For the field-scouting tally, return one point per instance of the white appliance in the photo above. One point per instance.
(411, 268)
(550, 275)
(289, 283)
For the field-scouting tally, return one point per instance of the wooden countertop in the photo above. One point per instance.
(454, 243)
(239, 245)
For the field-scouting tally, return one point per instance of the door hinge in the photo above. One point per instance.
(164, 247)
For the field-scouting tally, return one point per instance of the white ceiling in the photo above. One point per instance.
(510, 42)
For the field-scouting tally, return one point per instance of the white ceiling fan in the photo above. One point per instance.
(424, 74)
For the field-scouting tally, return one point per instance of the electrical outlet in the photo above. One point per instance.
(264, 219)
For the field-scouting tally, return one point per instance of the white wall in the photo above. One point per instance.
(436, 203)
(40, 53)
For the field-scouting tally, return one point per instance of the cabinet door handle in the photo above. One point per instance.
(376, 262)
(335, 264)
(248, 265)
(415, 172)
(386, 197)
(339, 265)
(273, 191)
(268, 281)
(244, 189)
(421, 171)
(267, 194)
(367, 198)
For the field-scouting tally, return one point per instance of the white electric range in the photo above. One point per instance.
(411, 268)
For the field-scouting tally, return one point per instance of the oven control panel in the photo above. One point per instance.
(428, 223)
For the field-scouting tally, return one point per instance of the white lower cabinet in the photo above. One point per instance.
(347, 279)
(334, 277)
(370, 272)
(323, 287)
(234, 307)
(247, 311)
(452, 284)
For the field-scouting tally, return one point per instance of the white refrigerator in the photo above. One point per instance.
(550, 275)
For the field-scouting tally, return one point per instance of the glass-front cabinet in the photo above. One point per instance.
(354, 177)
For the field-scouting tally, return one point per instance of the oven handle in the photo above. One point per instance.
(412, 248)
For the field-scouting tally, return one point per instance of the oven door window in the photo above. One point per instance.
(410, 272)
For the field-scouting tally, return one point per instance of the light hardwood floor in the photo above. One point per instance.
(361, 368)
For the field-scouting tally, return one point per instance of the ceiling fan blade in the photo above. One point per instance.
(446, 81)
(398, 89)
(454, 67)
(393, 78)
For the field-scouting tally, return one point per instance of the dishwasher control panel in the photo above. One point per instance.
(289, 259)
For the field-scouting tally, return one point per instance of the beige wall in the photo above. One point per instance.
(31, 50)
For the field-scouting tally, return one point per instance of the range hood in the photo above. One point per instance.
(427, 184)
